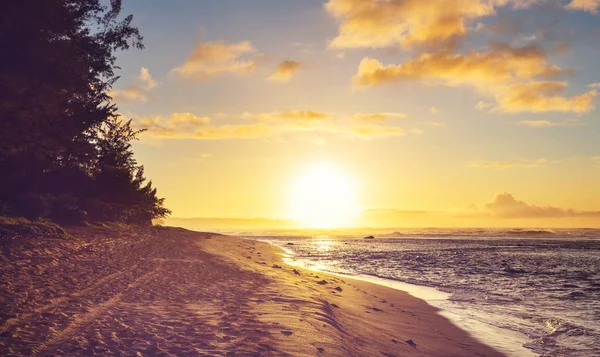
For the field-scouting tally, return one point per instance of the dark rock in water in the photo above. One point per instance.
(276, 266)
(322, 282)
(290, 243)
(515, 271)
(411, 343)
(338, 289)
(369, 237)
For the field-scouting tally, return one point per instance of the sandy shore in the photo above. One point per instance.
(172, 292)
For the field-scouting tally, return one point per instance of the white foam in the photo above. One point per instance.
(503, 340)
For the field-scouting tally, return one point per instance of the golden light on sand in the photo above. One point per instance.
(324, 197)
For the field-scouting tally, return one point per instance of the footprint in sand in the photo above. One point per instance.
(322, 282)
(287, 333)
(411, 343)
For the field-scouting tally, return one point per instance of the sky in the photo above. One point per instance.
(387, 113)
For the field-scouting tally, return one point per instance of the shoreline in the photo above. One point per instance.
(170, 291)
(498, 338)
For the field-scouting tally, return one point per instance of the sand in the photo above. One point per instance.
(172, 292)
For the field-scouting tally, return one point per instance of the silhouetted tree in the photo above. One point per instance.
(120, 180)
(56, 69)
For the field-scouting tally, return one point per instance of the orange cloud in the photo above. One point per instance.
(187, 125)
(544, 97)
(138, 92)
(289, 115)
(146, 79)
(214, 58)
(175, 123)
(507, 74)
(285, 71)
(377, 117)
(128, 94)
(546, 123)
(377, 24)
(506, 206)
(584, 5)
(502, 64)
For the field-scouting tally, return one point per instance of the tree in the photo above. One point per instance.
(120, 180)
(56, 69)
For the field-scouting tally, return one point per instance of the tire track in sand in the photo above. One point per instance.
(57, 301)
(78, 323)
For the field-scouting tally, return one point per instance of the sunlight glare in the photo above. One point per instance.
(324, 197)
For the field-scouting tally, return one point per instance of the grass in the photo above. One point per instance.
(14, 227)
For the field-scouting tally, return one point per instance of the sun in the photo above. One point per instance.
(324, 197)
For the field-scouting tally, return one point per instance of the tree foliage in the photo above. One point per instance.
(60, 138)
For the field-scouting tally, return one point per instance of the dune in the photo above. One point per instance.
(173, 292)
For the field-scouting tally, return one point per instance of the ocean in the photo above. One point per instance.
(524, 292)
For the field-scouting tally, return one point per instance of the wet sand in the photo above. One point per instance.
(172, 292)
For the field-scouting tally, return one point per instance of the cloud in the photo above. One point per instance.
(506, 206)
(416, 131)
(544, 97)
(128, 94)
(510, 75)
(285, 71)
(546, 123)
(481, 105)
(172, 125)
(377, 117)
(378, 24)
(501, 64)
(591, 6)
(409, 23)
(594, 85)
(215, 58)
(434, 110)
(288, 115)
(509, 164)
(146, 79)
(138, 92)
(190, 126)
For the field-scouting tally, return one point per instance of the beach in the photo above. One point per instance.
(173, 292)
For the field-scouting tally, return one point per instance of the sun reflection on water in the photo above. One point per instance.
(323, 244)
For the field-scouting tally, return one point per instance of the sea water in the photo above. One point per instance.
(525, 292)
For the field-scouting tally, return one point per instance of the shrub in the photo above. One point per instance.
(66, 209)
(30, 206)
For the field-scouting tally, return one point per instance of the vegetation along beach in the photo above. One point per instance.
(352, 178)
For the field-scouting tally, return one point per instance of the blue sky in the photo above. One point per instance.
(415, 133)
